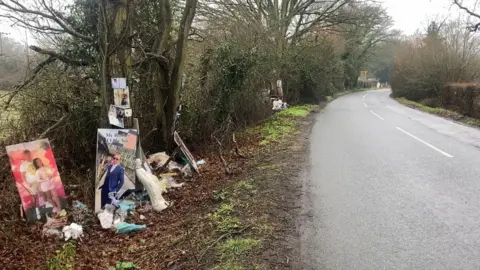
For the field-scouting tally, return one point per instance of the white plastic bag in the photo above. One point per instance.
(73, 231)
(106, 216)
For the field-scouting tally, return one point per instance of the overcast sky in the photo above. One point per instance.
(409, 15)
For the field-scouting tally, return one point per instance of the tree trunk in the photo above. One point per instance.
(115, 53)
(177, 70)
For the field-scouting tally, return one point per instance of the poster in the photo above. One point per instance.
(116, 116)
(114, 164)
(119, 83)
(37, 178)
(121, 97)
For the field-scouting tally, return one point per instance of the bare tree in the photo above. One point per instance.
(141, 40)
(470, 12)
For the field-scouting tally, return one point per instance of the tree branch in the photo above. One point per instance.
(474, 27)
(60, 122)
(61, 57)
(19, 8)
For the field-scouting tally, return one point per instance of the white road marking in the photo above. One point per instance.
(365, 96)
(376, 115)
(366, 106)
(426, 143)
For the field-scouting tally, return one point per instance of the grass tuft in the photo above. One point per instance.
(223, 220)
(64, 258)
(237, 247)
(296, 111)
(244, 184)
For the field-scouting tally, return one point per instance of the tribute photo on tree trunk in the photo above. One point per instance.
(115, 165)
(119, 83)
(121, 97)
(116, 116)
(37, 178)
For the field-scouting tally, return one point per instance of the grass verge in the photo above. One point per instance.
(441, 112)
(253, 217)
(283, 123)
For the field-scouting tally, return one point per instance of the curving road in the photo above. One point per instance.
(390, 187)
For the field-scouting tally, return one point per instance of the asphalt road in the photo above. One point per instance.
(390, 187)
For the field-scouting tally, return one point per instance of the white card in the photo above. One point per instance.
(119, 83)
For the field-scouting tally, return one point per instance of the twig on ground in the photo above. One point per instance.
(224, 162)
(219, 239)
(237, 150)
(189, 239)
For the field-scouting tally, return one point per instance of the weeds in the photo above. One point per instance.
(219, 195)
(244, 184)
(234, 248)
(297, 111)
(223, 220)
(231, 265)
(64, 258)
(123, 266)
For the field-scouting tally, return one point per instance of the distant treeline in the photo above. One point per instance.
(12, 62)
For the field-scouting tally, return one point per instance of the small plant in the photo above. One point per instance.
(246, 185)
(123, 266)
(236, 247)
(223, 220)
(64, 258)
(219, 195)
(231, 265)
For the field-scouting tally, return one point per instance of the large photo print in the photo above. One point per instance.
(115, 165)
(37, 179)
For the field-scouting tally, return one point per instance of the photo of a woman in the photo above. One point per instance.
(124, 100)
(37, 179)
(45, 176)
(121, 97)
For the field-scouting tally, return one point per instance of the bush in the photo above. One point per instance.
(424, 64)
(56, 93)
(463, 98)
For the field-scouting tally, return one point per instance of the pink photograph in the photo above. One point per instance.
(37, 178)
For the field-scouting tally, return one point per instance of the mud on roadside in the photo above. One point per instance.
(270, 206)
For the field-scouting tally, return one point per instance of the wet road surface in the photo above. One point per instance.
(390, 187)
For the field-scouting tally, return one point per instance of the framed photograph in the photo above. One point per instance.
(37, 178)
(116, 116)
(121, 97)
(119, 83)
(115, 164)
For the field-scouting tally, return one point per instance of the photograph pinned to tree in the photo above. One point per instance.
(116, 116)
(121, 97)
(37, 178)
(119, 83)
(115, 165)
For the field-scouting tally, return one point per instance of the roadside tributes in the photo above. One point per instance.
(121, 97)
(116, 116)
(37, 178)
(119, 83)
(115, 165)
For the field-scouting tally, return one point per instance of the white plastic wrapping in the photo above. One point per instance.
(151, 184)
